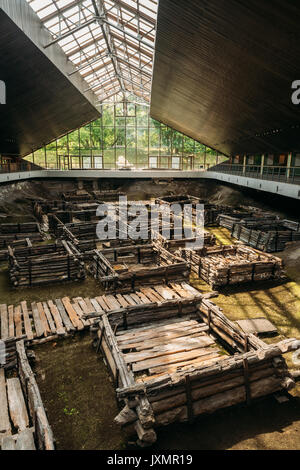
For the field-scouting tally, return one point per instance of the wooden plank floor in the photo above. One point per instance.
(49, 318)
(16, 432)
(162, 349)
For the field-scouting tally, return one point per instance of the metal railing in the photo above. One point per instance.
(272, 173)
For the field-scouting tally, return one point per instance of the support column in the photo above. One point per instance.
(289, 162)
(262, 164)
(244, 164)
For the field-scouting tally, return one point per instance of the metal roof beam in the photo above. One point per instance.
(72, 31)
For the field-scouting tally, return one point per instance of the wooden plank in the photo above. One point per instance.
(18, 321)
(43, 318)
(77, 323)
(25, 440)
(37, 320)
(27, 321)
(150, 335)
(174, 335)
(102, 304)
(89, 305)
(137, 299)
(172, 359)
(182, 292)
(64, 316)
(4, 321)
(143, 298)
(49, 318)
(147, 292)
(17, 408)
(189, 289)
(257, 326)
(11, 324)
(129, 299)
(156, 294)
(8, 443)
(172, 291)
(152, 328)
(96, 306)
(208, 359)
(173, 347)
(5, 428)
(112, 302)
(122, 301)
(164, 293)
(80, 313)
(57, 318)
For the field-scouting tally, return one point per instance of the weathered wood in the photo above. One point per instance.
(4, 321)
(17, 407)
(5, 428)
(27, 321)
(25, 440)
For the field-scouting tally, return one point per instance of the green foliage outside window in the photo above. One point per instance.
(125, 135)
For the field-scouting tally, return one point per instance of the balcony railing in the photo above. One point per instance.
(272, 173)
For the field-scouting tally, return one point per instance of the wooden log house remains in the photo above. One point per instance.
(124, 268)
(211, 211)
(23, 420)
(174, 361)
(233, 264)
(269, 236)
(45, 264)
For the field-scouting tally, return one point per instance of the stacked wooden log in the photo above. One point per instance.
(12, 232)
(112, 267)
(46, 264)
(228, 221)
(174, 244)
(226, 265)
(268, 236)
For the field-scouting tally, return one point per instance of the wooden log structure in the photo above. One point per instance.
(23, 421)
(211, 211)
(77, 195)
(172, 244)
(270, 236)
(176, 364)
(228, 220)
(11, 233)
(124, 268)
(45, 264)
(233, 264)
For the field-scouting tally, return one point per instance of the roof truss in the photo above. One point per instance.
(110, 42)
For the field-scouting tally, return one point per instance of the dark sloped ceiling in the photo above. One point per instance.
(42, 102)
(223, 73)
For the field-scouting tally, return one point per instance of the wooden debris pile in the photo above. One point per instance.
(45, 264)
(170, 368)
(269, 236)
(226, 265)
(124, 268)
(23, 421)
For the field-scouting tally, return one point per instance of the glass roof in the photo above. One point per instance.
(110, 42)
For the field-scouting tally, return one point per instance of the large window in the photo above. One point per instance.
(125, 137)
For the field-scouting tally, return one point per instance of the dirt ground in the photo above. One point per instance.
(74, 382)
